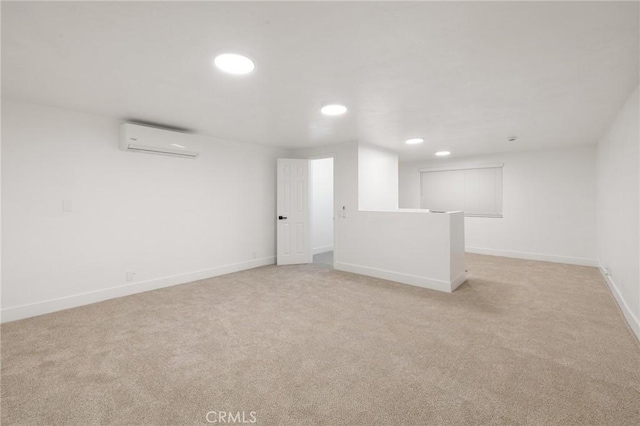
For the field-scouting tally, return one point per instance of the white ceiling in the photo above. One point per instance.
(464, 76)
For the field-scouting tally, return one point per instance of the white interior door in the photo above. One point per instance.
(293, 212)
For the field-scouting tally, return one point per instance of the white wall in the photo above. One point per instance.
(377, 178)
(549, 205)
(170, 220)
(412, 247)
(619, 209)
(415, 248)
(322, 205)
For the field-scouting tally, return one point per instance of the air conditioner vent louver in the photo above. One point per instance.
(153, 140)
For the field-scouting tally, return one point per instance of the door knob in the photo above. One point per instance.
(281, 217)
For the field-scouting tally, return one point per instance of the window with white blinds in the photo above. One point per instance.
(476, 190)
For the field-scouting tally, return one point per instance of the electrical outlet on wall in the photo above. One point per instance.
(131, 275)
(254, 254)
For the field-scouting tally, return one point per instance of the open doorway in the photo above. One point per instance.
(321, 196)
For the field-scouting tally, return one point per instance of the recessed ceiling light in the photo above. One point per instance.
(414, 141)
(443, 153)
(233, 63)
(333, 109)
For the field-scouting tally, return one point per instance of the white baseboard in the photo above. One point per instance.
(633, 322)
(534, 256)
(67, 302)
(323, 249)
(415, 280)
(458, 281)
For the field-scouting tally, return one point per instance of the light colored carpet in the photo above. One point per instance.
(521, 342)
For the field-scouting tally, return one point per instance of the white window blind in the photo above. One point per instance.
(476, 190)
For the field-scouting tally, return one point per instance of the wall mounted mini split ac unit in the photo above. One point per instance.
(156, 140)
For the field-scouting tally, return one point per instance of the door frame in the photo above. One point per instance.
(333, 191)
